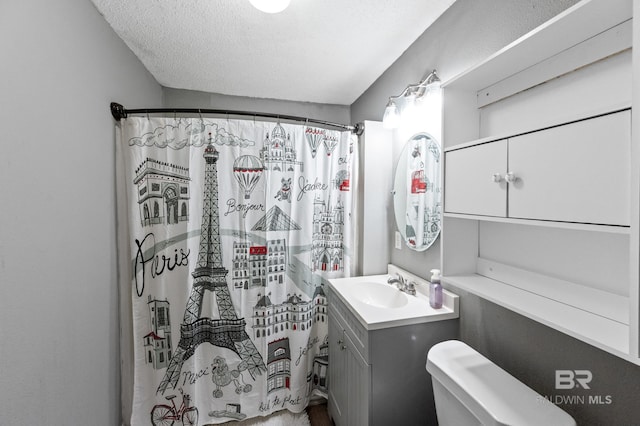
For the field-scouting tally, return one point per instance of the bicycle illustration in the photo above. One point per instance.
(165, 415)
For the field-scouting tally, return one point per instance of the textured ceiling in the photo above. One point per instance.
(325, 51)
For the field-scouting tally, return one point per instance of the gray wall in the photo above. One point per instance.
(467, 33)
(60, 66)
(178, 98)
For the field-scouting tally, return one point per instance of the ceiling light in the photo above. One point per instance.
(270, 6)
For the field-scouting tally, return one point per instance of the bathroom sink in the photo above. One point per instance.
(379, 295)
(377, 304)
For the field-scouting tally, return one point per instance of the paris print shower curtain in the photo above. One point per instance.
(228, 231)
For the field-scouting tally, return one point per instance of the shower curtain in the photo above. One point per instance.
(228, 231)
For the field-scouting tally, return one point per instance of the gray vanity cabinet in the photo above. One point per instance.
(378, 377)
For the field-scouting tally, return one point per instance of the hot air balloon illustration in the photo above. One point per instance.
(314, 137)
(247, 169)
(330, 143)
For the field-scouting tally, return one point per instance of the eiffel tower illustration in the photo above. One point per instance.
(228, 331)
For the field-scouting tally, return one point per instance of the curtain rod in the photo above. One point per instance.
(119, 112)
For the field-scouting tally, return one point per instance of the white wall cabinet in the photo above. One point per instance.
(541, 178)
(577, 172)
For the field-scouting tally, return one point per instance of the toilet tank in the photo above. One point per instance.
(471, 390)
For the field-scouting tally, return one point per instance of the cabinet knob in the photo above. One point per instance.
(497, 177)
(510, 177)
(343, 347)
(339, 342)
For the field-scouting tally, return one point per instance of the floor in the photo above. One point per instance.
(318, 415)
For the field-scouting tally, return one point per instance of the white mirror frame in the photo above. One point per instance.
(417, 192)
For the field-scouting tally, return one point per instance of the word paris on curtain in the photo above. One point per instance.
(227, 233)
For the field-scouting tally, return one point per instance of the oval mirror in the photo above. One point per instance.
(417, 192)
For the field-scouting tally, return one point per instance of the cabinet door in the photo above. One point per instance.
(577, 172)
(359, 385)
(469, 184)
(337, 385)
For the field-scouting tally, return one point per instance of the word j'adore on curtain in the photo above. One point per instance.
(231, 229)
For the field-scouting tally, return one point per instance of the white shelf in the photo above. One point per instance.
(604, 333)
(612, 229)
(598, 302)
(560, 33)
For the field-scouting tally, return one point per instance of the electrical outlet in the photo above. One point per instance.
(398, 240)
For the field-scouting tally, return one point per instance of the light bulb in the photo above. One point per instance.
(391, 118)
(270, 6)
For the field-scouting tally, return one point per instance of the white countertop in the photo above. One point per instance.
(408, 310)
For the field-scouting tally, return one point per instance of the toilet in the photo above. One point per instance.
(471, 390)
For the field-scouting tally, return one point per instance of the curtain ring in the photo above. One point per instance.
(201, 119)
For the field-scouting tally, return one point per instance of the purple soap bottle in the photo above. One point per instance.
(435, 290)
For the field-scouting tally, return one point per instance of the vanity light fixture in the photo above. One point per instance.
(391, 117)
(270, 6)
(411, 93)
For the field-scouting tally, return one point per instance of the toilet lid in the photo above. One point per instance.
(490, 393)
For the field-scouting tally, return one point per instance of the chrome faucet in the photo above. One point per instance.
(410, 288)
(407, 287)
(398, 281)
